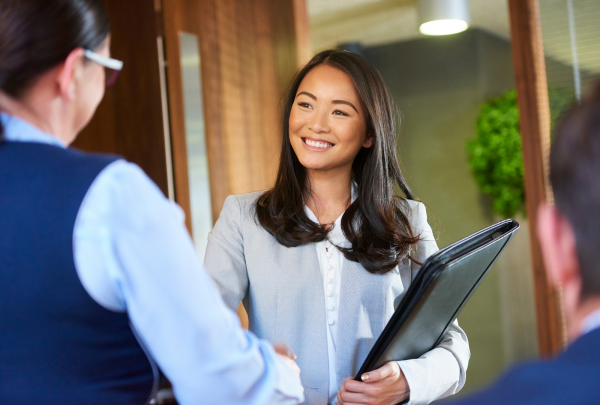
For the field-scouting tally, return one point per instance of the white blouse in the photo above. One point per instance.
(331, 261)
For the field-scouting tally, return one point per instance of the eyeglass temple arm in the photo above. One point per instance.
(104, 61)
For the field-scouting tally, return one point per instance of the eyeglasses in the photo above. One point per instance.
(111, 66)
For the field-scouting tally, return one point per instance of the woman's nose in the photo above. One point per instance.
(319, 122)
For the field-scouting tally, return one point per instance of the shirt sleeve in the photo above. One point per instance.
(133, 253)
(442, 371)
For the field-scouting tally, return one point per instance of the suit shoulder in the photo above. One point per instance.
(537, 383)
(241, 206)
(415, 211)
(246, 199)
(412, 205)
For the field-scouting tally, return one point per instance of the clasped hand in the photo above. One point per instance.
(384, 386)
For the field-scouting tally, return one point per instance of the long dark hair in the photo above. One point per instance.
(375, 223)
(37, 35)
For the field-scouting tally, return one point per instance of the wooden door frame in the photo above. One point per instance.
(275, 50)
(534, 110)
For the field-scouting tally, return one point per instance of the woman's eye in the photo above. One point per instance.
(340, 112)
(305, 105)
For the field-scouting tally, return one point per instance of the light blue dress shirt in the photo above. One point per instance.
(133, 254)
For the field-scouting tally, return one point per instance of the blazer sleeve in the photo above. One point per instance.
(442, 371)
(224, 259)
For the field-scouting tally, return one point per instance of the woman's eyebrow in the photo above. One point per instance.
(333, 102)
(345, 102)
(308, 94)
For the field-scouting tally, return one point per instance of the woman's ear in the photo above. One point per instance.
(369, 141)
(68, 71)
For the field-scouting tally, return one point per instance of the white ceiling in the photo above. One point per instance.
(376, 22)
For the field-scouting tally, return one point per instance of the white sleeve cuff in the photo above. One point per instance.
(288, 389)
(433, 376)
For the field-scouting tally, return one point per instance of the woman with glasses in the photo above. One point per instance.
(100, 280)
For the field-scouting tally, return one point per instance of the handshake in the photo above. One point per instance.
(288, 356)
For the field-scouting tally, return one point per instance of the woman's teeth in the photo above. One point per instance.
(317, 144)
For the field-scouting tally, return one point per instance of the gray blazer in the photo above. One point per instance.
(282, 291)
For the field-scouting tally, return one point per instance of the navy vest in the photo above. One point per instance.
(57, 345)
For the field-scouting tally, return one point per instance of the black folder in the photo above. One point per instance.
(443, 286)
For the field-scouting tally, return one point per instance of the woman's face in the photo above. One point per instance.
(328, 124)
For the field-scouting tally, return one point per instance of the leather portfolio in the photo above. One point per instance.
(443, 286)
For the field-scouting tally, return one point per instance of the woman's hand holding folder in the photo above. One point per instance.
(383, 386)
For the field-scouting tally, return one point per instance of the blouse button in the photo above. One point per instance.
(331, 321)
(330, 307)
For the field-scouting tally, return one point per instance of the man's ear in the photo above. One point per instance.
(559, 248)
(67, 72)
(369, 141)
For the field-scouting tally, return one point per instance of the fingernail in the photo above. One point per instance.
(365, 377)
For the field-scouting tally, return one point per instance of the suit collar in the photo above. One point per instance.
(585, 349)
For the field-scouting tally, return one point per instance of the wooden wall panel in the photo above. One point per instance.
(129, 122)
(253, 120)
(303, 39)
(284, 35)
(532, 93)
(270, 92)
(236, 133)
(248, 55)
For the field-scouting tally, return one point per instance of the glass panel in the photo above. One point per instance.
(440, 85)
(570, 32)
(196, 141)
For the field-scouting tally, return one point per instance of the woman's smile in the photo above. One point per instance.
(318, 145)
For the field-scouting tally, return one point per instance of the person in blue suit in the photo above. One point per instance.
(100, 282)
(569, 234)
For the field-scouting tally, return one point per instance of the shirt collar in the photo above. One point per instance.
(18, 130)
(591, 322)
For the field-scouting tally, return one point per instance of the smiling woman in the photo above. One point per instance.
(341, 99)
(320, 259)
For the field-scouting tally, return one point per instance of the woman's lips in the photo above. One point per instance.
(318, 145)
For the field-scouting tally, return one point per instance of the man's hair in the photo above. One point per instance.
(575, 178)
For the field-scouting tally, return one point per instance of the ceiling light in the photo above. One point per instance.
(443, 17)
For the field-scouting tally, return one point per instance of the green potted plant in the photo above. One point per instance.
(495, 154)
